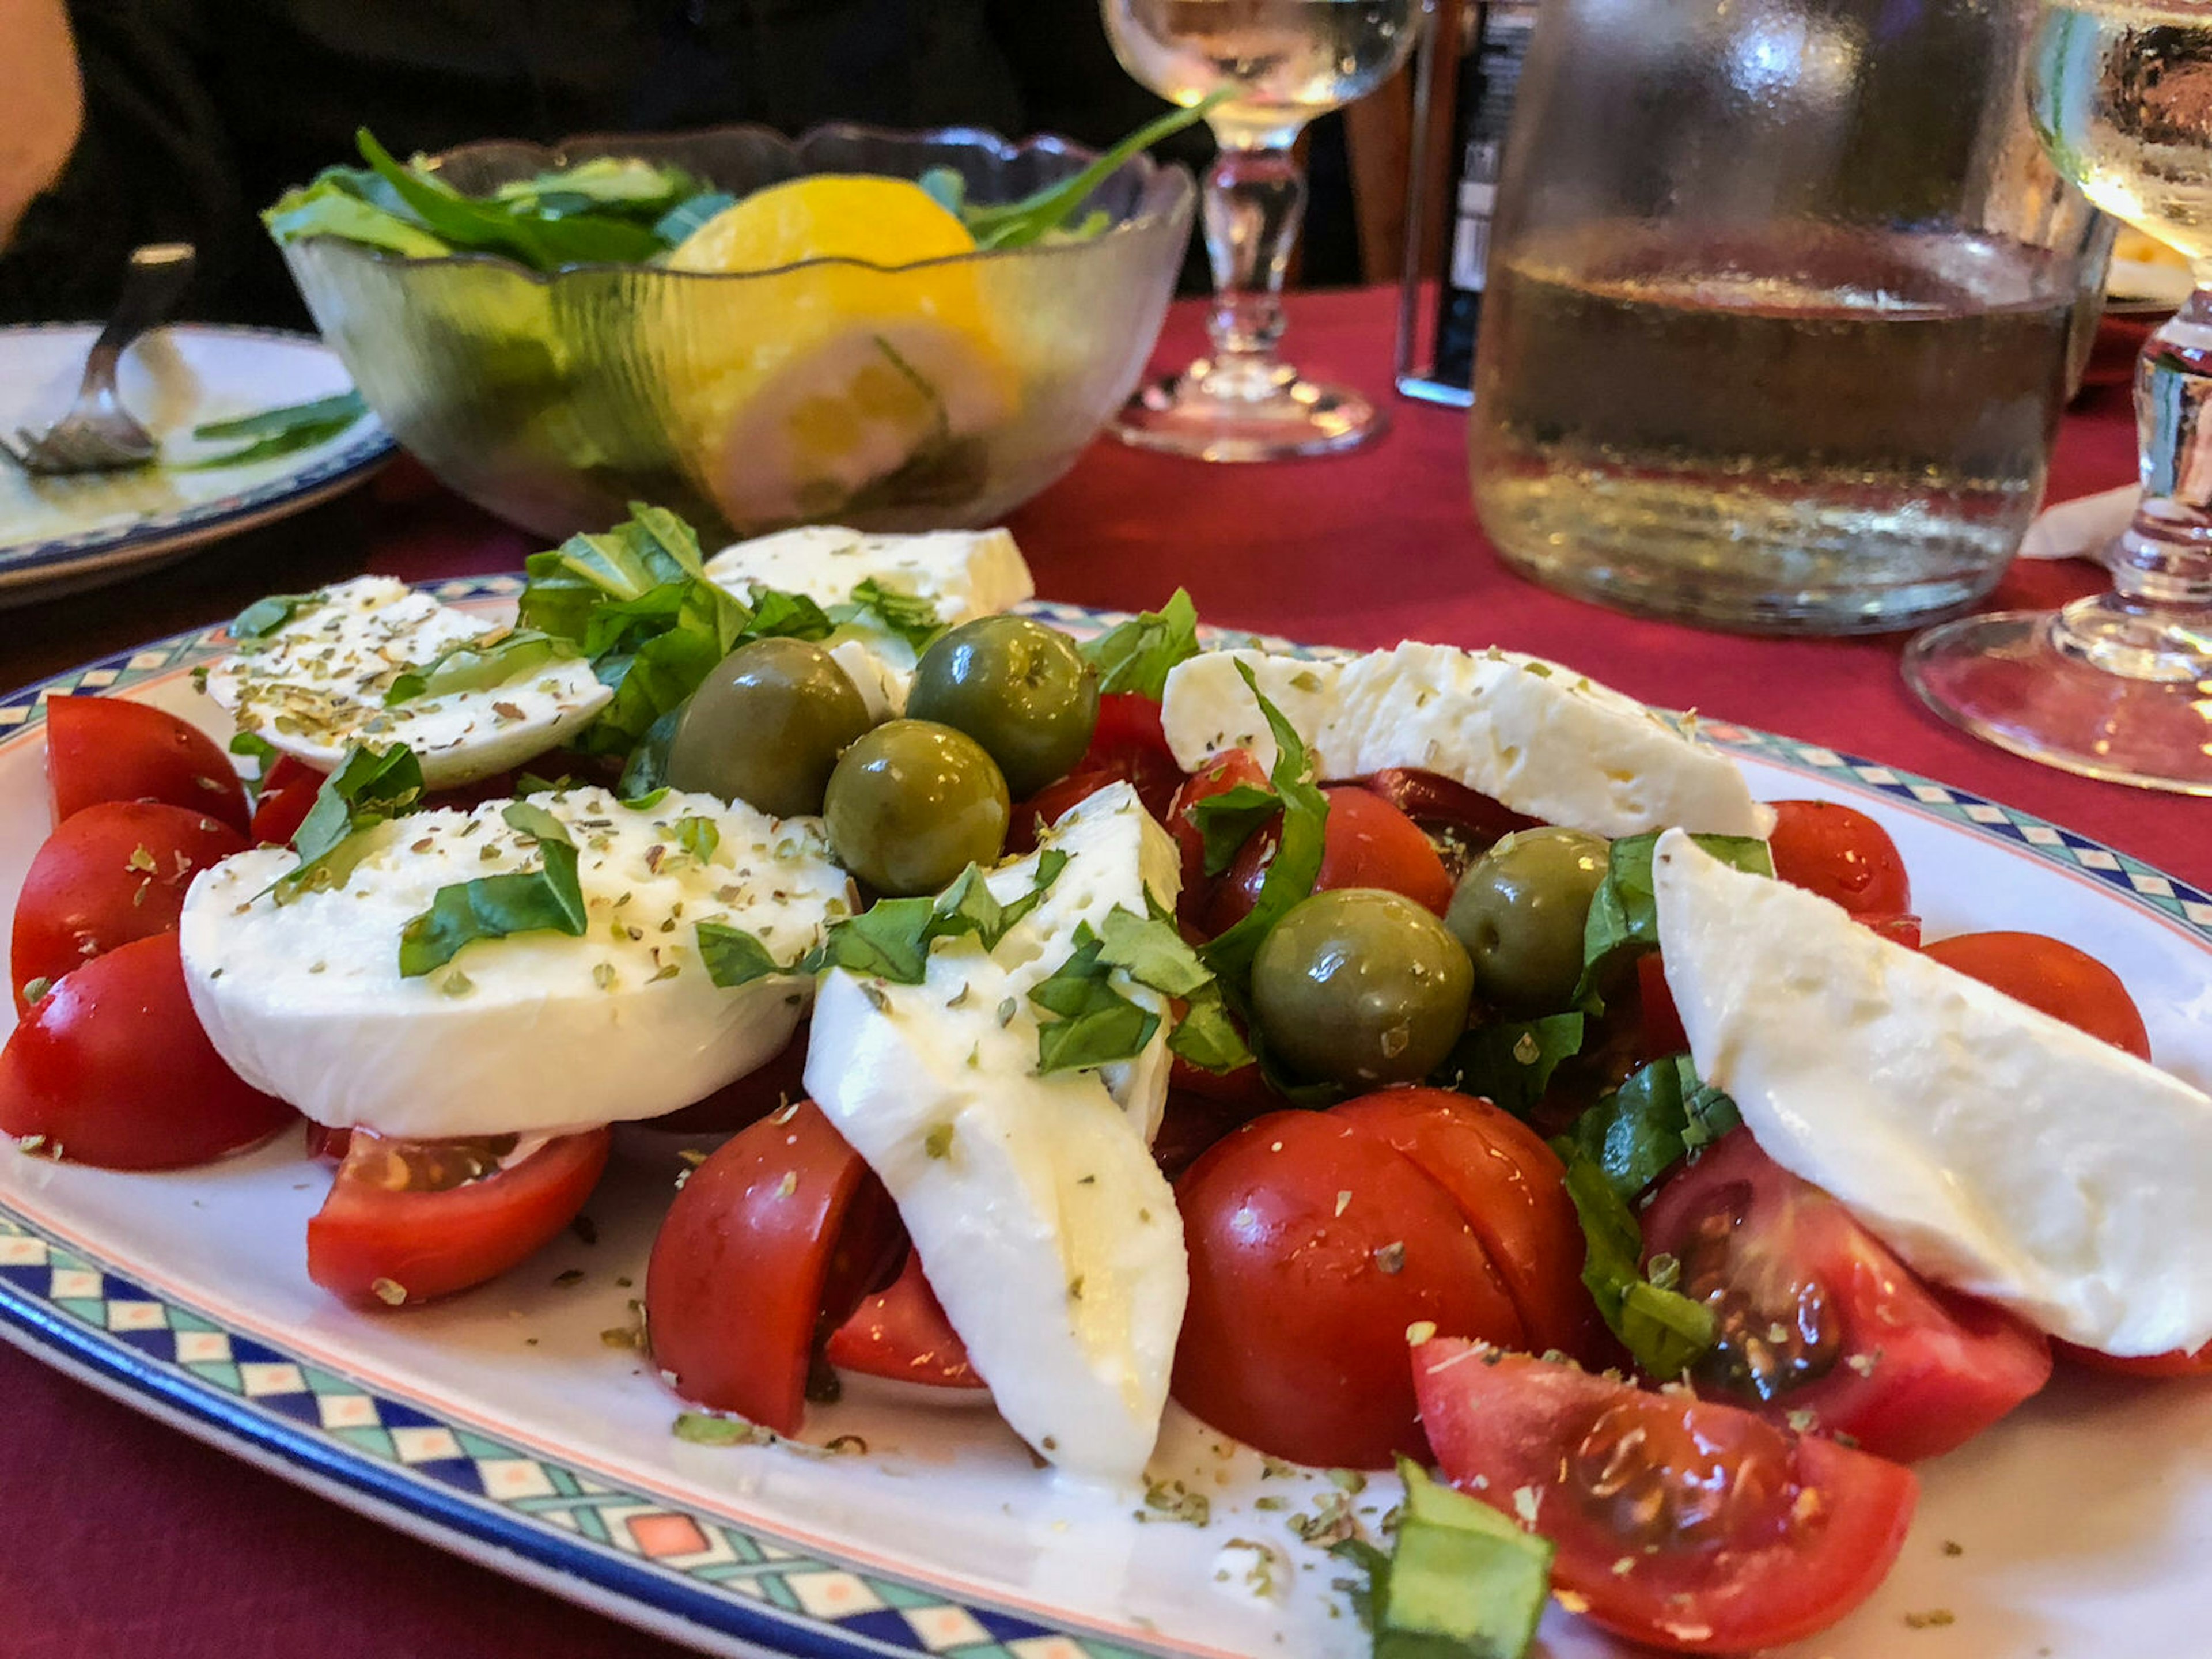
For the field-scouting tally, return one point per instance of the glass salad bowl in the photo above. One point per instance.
(930, 396)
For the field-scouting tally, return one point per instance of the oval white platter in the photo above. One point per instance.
(61, 534)
(504, 1426)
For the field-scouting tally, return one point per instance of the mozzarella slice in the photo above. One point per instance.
(1047, 1231)
(1994, 1148)
(314, 687)
(538, 1031)
(1541, 738)
(964, 573)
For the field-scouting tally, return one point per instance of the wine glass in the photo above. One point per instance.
(2119, 686)
(1285, 61)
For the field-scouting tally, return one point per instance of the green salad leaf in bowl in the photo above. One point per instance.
(899, 332)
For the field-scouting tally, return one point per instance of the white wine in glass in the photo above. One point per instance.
(1275, 65)
(2119, 686)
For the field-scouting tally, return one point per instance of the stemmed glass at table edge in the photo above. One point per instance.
(1243, 402)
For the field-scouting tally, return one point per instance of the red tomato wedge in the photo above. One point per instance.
(112, 873)
(393, 1233)
(109, 749)
(288, 789)
(1127, 746)
(1685, 1523)
(1816, 1316)
(769, 1247)
(1510, 1188)
(1314, 1245)
(1447, 810)
(1216, 777)
(1367, 842)
(902, 1332)
(1841, 853)
(2177, 1363)
(2054, 977)
(111, 1067)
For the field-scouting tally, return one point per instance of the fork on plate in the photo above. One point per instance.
(99, 434)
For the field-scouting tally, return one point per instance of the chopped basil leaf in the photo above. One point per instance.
(369, 789)
(968, 905)
(478, 665)
(697, 835)
(529, 783)
(1153, 953)
(1624, 913)
(704, 1429)
(1665, 1331)
(889, 940)
(1098, 1024)
(264, 617)
(1206, 1035)
(535, 823)
(910, 616)
(645, 774)
(734, 957)
(1645, 1127)
(777, 615)
(647, 802)
(262, 753)
(1510, 1063)
(1461, 1581)
(546, 899)
(1137, 655)
(1291, 873)
(1227, 820)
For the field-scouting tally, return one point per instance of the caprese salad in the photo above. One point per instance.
(1429, 1058)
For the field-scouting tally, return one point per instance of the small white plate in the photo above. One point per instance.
(63, 533)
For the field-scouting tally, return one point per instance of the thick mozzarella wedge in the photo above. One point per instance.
(1541, 738)
(1046, 1230)
(1995, 1148)
(315, 686)
(537, 1032)
(964, 574)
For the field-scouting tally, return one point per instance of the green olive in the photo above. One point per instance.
(766, 727)
(1019, 689)
(913, 804)
(1519, 910)
(1361, 987)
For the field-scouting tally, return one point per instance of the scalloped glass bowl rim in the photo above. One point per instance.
(1172, 177)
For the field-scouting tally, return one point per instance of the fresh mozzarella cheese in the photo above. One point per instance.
(1994, 1148)
(1046, 1230)
(1541, 738)
(315, 686)
(964, 574)
(538, 1031)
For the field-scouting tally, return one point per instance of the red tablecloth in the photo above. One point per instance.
(127, 1538)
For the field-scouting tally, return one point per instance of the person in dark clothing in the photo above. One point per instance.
(196, 113)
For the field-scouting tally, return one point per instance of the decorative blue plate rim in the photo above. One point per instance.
(368, 447)
(686, 1573)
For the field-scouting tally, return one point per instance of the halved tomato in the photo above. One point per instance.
(112, 749)
(2054, 977)
(1127, 745)
(1686, 1523)
(769, 1247)
(902, 1332)
(1822, 1327)
(410, 1221)
(111, 1067)
(113, 872)
(1235, 769)
(1367, 842)
(288, 789)
(1841, 853)
(1464, 823)
(1315, 1245)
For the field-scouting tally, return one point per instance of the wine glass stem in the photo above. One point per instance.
(1255, 196)
(2156, 624)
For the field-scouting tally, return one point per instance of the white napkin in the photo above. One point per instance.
(2080, 529)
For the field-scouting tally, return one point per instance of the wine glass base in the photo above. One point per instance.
(2004, 677)
(1176, 414)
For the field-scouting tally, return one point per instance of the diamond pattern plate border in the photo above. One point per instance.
(696, 1572)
